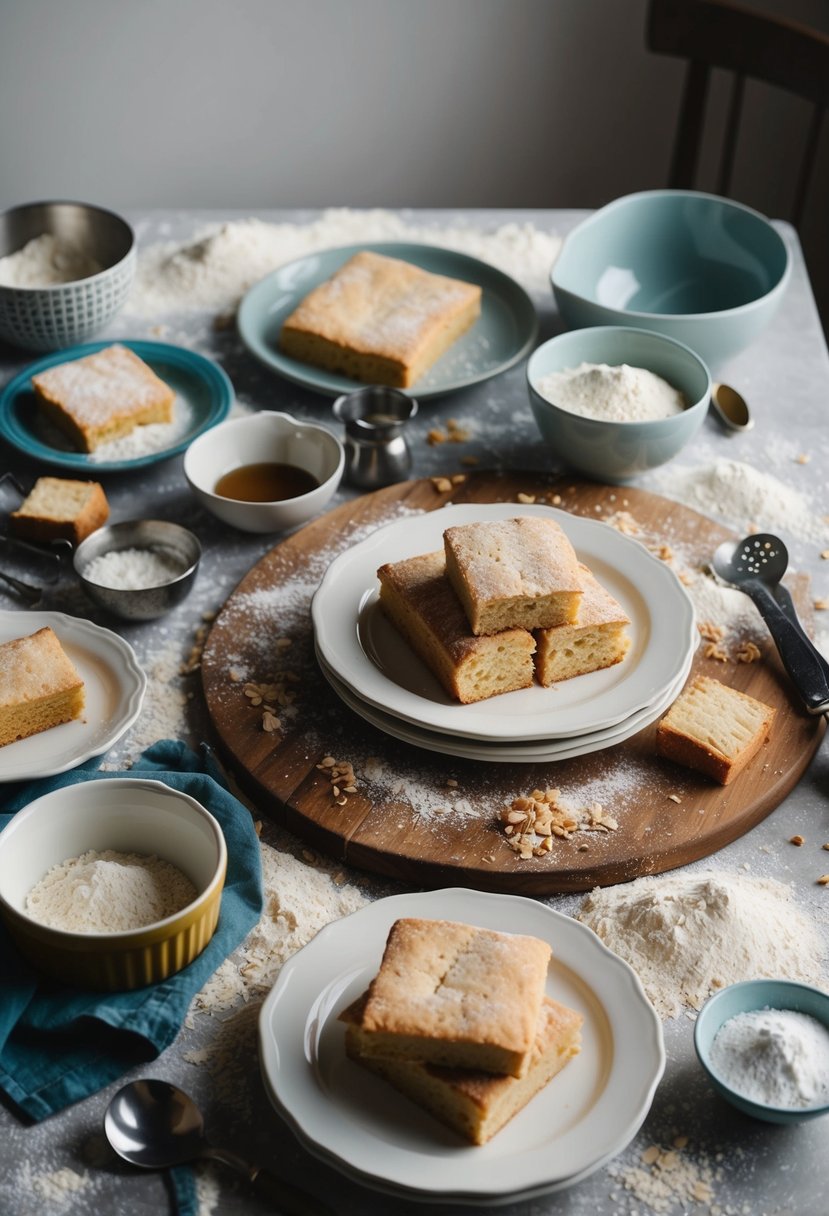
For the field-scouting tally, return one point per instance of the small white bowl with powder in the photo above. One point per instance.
(765, 1047)
(614, 402)
(139, 569)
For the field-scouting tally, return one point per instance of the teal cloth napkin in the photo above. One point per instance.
(57, 1044)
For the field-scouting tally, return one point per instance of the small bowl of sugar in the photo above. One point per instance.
(113, 883)
(614, 402)
(139, 569)
(764, 1045)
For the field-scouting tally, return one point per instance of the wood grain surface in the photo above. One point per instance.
(432, 820)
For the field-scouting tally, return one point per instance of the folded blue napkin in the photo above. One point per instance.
(58, 1044)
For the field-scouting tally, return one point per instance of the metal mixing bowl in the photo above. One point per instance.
(146, 603)
(61, 315)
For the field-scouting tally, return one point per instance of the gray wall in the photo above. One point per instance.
(261, 103)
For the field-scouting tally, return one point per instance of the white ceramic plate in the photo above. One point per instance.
(366, 652)
(505, 753)
(114, 685)
(358, 1123)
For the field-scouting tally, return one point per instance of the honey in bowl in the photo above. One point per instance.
(267, 481)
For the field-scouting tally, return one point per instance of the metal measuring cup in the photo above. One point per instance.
(376, 451)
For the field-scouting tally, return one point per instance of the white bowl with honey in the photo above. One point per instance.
(266, 472)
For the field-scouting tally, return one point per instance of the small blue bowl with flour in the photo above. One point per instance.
(765, 1047)
(614, 401)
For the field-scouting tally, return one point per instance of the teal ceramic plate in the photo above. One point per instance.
(505, 331)
(203, 397)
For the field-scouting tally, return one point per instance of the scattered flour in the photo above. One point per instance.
(213, 270)
(612, 394)
(744, 497)
(726, 607)
(687, 935)
(46, 261)
(299, 900)
(56, 1186)
(106, 892)
(666, 1177)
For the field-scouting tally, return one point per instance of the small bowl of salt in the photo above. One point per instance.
(139, 569)
(614, 402)
(765, 1047)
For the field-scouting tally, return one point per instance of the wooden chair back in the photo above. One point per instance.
(722, 34)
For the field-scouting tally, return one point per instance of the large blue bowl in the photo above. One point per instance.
(702, 269)
(747, 997)
(618, 451)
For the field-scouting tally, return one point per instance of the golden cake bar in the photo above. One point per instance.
(475, 1104)
(453, 994)
(714, 728)
(419, 600)
(102, 396)
(380, 320)
(598, 637)
(39, 686)
(513, 572)
(58, 508)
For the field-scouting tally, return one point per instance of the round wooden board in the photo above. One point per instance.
(408, 820)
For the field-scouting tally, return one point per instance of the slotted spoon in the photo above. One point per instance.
(756, 565)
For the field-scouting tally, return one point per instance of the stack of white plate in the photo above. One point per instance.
(376, 674)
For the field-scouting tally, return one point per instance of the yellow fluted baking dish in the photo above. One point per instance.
(128, 815)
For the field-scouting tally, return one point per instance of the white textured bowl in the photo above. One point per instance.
(61, 315)
(264, 436)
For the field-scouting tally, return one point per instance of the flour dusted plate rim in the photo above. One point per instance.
(506, 753)
(114, 685)
(199, 382)
(503, 334)
(353, 1120)
(366, 652)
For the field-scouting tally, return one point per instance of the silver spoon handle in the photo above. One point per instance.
(801, 658)
(287, 1199)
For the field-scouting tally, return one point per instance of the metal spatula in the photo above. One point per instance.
(756, 565)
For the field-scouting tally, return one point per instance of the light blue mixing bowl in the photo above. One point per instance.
(705, 270)
(618, 451)
(746, 998)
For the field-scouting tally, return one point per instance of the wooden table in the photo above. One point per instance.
(786, 377)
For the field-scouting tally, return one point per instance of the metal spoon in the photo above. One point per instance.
(756, 565)
(731, 409)
(155, 1125)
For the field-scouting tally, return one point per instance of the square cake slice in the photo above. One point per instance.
(39, 686)
(714, 728)
(453, 994)
(513, 573)
(417, 597)
(102, 396)
(473, 1103)
(597, 639)
(380, 320)
(60, 509)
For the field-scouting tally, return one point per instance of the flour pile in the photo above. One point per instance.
(744, 497)
(688, 935)
(212, 271)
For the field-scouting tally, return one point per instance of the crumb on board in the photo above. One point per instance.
(341, 778)
(531, 822)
